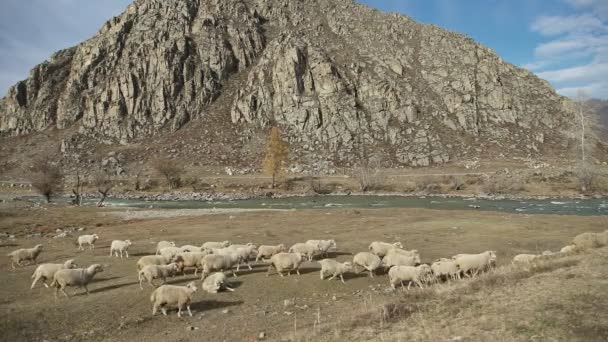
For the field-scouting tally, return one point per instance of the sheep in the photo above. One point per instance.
(413, 252)
(397, 259)
(120, 246)
(330, 266)
(412, 274)
(586, 240)
(381, 248)
(285, 262)
(192, 259)
(445, 268)
(152, 260)
(218, 262)
(368, 261)
(244, 254)
(547, 253)
(268, 251)
(171, 295)
(163, 244)
(570, 249)
(305, 249)
(87, 240)
(76, 277)
(47, 271)
(323, 245)
(151, 272)
(216, 282)
(171, 252)
(24, 254)
(212, 245)
(190, 248)
(524, 259)
(475, 263)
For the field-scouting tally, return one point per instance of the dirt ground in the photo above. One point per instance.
(117, 310)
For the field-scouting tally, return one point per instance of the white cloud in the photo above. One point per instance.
(599, 7)
(573, 46)
(585, 73)
(556, 25)
(598, 90)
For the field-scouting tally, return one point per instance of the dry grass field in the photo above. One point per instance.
(560, 299)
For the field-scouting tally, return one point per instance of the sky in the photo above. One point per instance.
(562, 41)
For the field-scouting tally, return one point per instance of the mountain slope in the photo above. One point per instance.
(344, 81)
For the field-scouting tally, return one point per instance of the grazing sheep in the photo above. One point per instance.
(381, 248)
(79, 277)
(87, 240)
(305, 249)
(216, 282)
(192, 259)
(244, 254)
(330, 266)
(218, 262)
(171, 252)
(152, 260)
(570, 249)
(524, 259)
(120, 246)
(285, 262)
(323, 245)
(163, 244)
(171, 295)
(151, 272)
(268, 251)
(191, 248)
(368, 261)
(445, 268)
(586, 240)
(24, 254)
(215, 245)
(47, 271)
(411, 274)
(475, 263)
(398, 259)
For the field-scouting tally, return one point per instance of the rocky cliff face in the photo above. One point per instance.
(343, 80)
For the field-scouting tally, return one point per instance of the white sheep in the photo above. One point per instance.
(216, 282)
(171, 252)
(411, 274)
(398, 259)
(24, 254)
(381, 248)
(120, 246)
(191, 248)
(214, 245)
(524, 259)
(171, 295)
(285, 262)
(570, 249)
(192, 259)
(152, 260)
(330, 266)
(323, 245)
(163, 244)
(305, 249)
(445, 268)
(79, 277)
(368, 261)
(244, 253)
(87, 240)
(47, 271)
(267, 252)
(472, 264)
(218, 262)
(151, 272)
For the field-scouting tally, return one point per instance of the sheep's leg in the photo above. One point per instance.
(342, 278)
(154, 308)
(86, 289)
(189, 312)
(269, 268)
(332, 277)
(408, 285)
(13, 264)
(476, 272)
(322, 276)
(419, 283)
(111, 252)
(371, 273)
(179, 311)
(249, 265)
(127, 253)
(163, 310)
(298, 271)
(65, 293)
(228, 288)
(233, 273)
(288, 273)
(238, 267)
(393, 285)
(140, 282)
(35, 281)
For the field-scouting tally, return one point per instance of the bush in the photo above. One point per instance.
(456, 183)
(428, 185)
(171, 170)
(47, 177)
(503, 184)
(370, 179)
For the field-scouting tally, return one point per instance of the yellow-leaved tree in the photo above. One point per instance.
(276, 154)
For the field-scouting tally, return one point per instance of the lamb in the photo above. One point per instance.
(323, 245)
(171, 295)
(445, 268)
(398, 259)
(285, 262)
(76, 277)
(152, 260)
(381, 248)
(305, 249)
(120, 246)
(524, 259)
(218, 262)
(47, 271)
(192, 259)
(268, 251)
(87, 240)
(570, 249)
(474, 263)
(163, 244)
(24, 254)
(216, 282)
(215, 245)
(151, 272)
(330, 266)
(416, 275)
(368, 261)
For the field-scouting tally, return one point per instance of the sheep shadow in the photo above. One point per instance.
(207, 305)
(100, 280)
(181, 279)
(353, 275)
(333, 255)
(112, 287)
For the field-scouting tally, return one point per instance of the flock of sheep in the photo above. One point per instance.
(212, 259)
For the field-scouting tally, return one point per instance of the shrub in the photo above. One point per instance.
(47, 177)
(171, 170)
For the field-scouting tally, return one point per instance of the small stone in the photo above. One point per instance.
(288, 313)
(225, 311)
(262, 335)
(334, 298)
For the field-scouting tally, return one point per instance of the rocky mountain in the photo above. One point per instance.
(344, 82)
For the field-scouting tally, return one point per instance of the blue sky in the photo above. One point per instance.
(563, 41)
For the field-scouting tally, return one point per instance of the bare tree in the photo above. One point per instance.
(585, 132)
(103, 182)
(368, 174)
(46, 177)
(77, 190)
(171, 170)
(276, 155)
